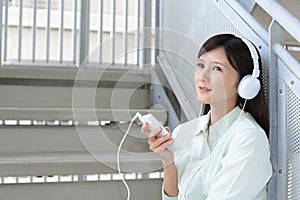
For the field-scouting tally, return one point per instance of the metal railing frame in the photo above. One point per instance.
(282, 21)
(80, 45)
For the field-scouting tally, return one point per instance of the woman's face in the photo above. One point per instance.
(215, 79)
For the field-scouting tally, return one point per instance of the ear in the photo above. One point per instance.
(248, 87)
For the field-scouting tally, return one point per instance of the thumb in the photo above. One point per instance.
(168, 129)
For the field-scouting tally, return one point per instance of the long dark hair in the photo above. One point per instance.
(239, 57)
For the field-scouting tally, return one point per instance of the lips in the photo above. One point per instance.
(204, 89)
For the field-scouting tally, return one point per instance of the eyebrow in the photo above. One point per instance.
(219, 63)
(216, 62)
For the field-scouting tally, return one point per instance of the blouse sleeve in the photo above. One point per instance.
(245, 169)
(165, 197)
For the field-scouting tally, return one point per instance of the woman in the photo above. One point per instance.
(229, 156)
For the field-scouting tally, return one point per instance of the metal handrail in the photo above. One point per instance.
(287, 59)
(248, 18)
(289, 22)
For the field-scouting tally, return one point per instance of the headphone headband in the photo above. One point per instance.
(249, 85)
(254, 56)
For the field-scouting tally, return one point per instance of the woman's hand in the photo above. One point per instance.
(159, 145)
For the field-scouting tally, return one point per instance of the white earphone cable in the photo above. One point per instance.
(118, 157)
(243, 108)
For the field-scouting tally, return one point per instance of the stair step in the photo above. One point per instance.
(146, 189)
(66, 164)
(73, 150)
(66, 97)
(38, 139)
(74, 88)
(76, 114)
(59, 76)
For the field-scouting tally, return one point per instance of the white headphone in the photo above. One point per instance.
(249, 86)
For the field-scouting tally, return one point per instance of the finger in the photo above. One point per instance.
(155, 132)
(151, 140)
(168, 129)
(145, 128)
(157, 142)
(163, 146)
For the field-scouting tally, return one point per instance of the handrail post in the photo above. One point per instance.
(1, 13)
(84, 31)
(158, 24)
(147, 32)
(277, 137)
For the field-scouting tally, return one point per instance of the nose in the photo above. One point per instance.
(201, 74)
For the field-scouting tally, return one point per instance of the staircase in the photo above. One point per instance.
(59, 130)
(61, 122)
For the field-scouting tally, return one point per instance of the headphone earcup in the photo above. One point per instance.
(248, 87)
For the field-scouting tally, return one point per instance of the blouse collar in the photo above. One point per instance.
(221, 126)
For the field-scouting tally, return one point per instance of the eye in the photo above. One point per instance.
(216, 68)
(200, 65)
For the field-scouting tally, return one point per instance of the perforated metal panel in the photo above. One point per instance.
(293, 146)
(205, 18)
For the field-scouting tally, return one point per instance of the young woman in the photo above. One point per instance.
(229, 156)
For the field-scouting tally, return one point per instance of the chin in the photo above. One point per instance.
(205, 101)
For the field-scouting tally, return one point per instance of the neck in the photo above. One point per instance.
(219, 111)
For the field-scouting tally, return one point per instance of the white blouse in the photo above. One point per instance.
(232, 162)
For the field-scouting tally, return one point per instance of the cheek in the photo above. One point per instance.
(196, 77)
(225, 86)
(221, 89)
(232, 87)
(219, 82)
(235, 83)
